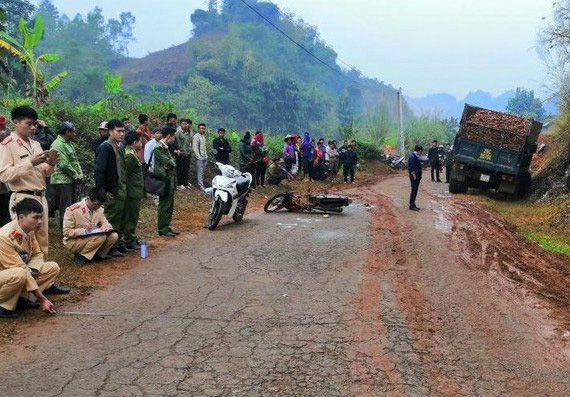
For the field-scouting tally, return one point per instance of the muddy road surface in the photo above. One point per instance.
(377, 301)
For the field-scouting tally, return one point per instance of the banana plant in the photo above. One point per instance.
(23, 51)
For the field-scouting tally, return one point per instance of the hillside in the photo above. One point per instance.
(239, 71)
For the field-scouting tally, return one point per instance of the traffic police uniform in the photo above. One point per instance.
(24, 179)
(76, 219)
(20, 254)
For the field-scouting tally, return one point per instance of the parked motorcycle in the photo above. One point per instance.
(308, 203)
(229, 193)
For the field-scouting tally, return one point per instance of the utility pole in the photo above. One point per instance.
(401, 124)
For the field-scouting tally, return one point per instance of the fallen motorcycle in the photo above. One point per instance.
(307, 203)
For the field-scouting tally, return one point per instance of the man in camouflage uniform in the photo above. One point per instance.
(24, 167)
(184, 156)
(67, 172)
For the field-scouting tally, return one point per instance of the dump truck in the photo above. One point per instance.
(493, 150)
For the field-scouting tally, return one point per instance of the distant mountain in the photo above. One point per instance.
(446, 105)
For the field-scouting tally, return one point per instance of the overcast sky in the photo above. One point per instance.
(424, 46)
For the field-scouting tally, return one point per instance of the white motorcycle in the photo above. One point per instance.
(229, 194)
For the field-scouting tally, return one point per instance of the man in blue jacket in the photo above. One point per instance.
(415, 173)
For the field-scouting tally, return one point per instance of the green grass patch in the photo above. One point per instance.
(548, 243)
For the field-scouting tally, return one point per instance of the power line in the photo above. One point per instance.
(302, 46)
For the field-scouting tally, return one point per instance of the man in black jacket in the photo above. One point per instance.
(221, 147)
(415, 173)
(433, 156)
(111, 177)
(349, 164)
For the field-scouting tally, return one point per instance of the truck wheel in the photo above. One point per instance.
(525, 183)
(457, 187)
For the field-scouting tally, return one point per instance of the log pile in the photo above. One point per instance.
(503, 131)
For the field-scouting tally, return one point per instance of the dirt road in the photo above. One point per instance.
(377, 301)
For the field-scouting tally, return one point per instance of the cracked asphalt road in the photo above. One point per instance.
(377, 301)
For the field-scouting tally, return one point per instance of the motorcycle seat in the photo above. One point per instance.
(242, 184)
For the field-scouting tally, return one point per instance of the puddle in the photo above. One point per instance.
(442, 223)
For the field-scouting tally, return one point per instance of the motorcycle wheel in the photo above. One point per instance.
(240, 211)
(275, 203)
(215, 214)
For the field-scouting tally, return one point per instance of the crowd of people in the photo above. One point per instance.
(40, 174)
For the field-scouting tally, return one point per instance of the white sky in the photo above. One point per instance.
(424, 46)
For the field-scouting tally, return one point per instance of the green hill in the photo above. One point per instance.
(239, 71)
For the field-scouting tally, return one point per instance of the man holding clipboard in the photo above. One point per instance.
(86, 231)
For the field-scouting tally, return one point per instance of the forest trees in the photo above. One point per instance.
(525, 104)
(23, 51)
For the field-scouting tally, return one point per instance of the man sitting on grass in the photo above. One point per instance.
(80, 222)
(24, 276)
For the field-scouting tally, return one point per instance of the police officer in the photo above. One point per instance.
(23, 271)
(80, 220)
(24, 166)
(165, 168)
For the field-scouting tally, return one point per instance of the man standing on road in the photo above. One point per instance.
(184, 156)
(221, 147)
(67, 172)
(200, 152)
(111, 177)
(24, 167)
(415, 172)
(433, 156)
(449, 154)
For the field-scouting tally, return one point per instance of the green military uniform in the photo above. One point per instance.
(165, 168)
(135, 193)
(67, 169)
(184, 141)
(115, 207)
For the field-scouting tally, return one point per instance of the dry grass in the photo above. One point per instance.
(541, 223)
(190, 215)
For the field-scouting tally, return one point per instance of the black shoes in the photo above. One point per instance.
(99, 258)
(414, 208)
(5, 313)
(25, 304)
(174, 231)
(167, 234)
(56, 290)
(116, 254)
(80, 260)
(134, 246)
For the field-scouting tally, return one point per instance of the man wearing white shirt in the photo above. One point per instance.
(200, 152)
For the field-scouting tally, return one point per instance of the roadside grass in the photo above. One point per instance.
(190, 215)
(540, 223)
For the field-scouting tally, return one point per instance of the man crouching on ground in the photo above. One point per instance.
(80, 221)
(24, 276)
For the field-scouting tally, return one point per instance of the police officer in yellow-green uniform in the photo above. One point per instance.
(25, 276)
(111, 177)
(135, 189)
(24, 167)
(164, 167)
